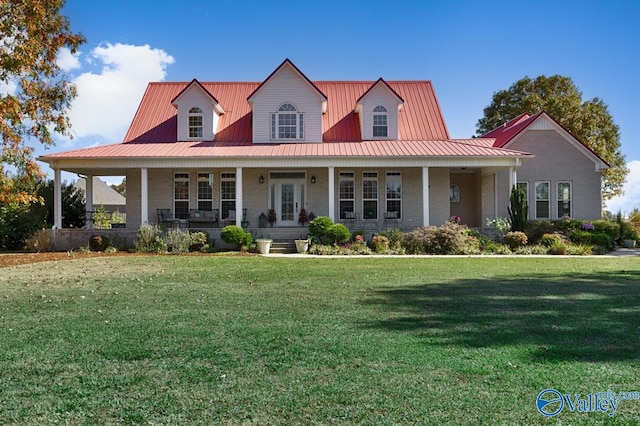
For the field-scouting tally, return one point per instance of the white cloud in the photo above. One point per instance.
(67, 61)
(107, 101)
(631, 198)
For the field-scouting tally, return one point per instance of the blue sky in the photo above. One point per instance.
(468, 49)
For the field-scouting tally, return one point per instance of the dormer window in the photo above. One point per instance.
(195, 122)
(287, 123)
(379, 122)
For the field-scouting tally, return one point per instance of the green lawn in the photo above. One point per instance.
(252, 340)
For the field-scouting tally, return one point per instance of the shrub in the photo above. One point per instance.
(558, 247)
(548, 240)
(449, 238)
(233, 234)
(395, 237)
(532, 249)
(360, 232)
(582, 237)
(602, 239)
(177, 241)
(380, 244)
(318, 228)
(609, 227)
(98, 243)
(500, 224)
(199, 241)
(149, 240)
(515, 239)
(337, 233)
(40, 241)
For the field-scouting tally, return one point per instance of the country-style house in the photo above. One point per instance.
(372, 154)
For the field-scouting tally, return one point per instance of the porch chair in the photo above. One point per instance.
(352, 217)
(166, 218)
(231, 217)
(391, 218)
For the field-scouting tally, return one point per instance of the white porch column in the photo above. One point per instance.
(239, 196)
(425, 196)
(495, 196)
(57, 199)
(144, 197)
(88, 195)
(332, 201)
(512, 175)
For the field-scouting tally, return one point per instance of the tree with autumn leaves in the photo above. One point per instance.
(35, 94)
(589, 120)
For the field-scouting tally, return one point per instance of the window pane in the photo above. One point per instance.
(394, 192)
(370, 209)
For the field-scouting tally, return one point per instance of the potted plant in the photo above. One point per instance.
(302, 218)
(271, 217)
(302, 245)
(264, 245)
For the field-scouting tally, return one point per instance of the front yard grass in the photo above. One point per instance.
(237, 340)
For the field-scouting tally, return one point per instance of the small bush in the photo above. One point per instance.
(318, 228)
(395, 237)
(199, 241)
(515, 239)
(338, 233)
(532, 249)
(380, 244)
(450, 238)
(40, 241)
(558, 247)
(500, 224)
(149, 240)
(609, 227)
(602, 239)
(548, 240)
(581, 237)
(233, 234)
(177, 241)
(99, 243)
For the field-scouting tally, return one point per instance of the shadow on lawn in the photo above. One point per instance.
(583, 317)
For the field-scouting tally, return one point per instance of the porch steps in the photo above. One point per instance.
(282, 247)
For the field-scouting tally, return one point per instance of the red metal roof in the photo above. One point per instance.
(420, 117)
(412, 148)
(421, 127)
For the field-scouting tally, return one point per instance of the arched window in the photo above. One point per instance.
(287, 123)
(379, 122)
(195, 122)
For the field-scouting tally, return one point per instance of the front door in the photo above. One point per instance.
(289, 199)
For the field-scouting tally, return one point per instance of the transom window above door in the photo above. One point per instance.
(287, 123)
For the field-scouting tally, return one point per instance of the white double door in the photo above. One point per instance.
(288, 199)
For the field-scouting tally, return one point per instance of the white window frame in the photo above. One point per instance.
(196, 126)
(180, 197)
(202, 202)
(548, 199)
(524, 185)
(343, 202)
(380, 122)
(388, 191)
(288, 111)
(370, 176)
(564, 200)
(226, 203)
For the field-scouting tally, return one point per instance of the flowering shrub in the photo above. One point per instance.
(587, 227)
(548, 240)
(149, 240)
